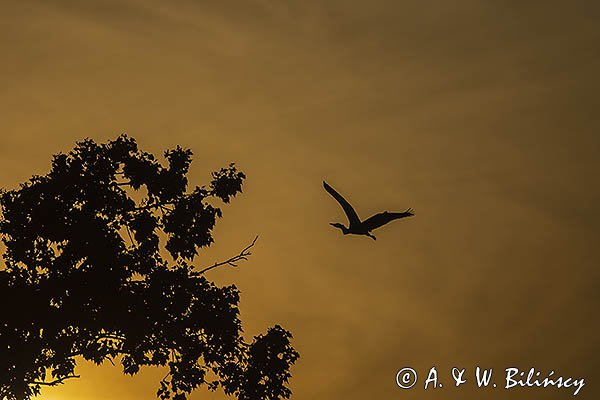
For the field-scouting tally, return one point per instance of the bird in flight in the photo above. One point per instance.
(355, 225)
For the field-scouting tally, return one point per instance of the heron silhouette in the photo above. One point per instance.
(355, 225)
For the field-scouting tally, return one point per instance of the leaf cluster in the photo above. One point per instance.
(86, 275)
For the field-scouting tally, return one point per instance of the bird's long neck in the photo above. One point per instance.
(341, 227)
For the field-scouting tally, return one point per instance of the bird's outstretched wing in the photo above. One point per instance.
(350, 213)
(383, 218)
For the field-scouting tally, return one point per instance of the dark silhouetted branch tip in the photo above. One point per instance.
(232, 262)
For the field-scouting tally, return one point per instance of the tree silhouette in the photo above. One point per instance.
(99, 265)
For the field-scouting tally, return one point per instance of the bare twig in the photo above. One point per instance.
(232, 262)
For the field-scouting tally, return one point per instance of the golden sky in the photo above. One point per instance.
(481, 115)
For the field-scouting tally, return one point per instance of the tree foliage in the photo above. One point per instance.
(99, 265)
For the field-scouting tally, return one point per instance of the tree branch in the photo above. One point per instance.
(54, 382)
(151, 206)
(109, 336)
(232, 262)
(133, 242)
